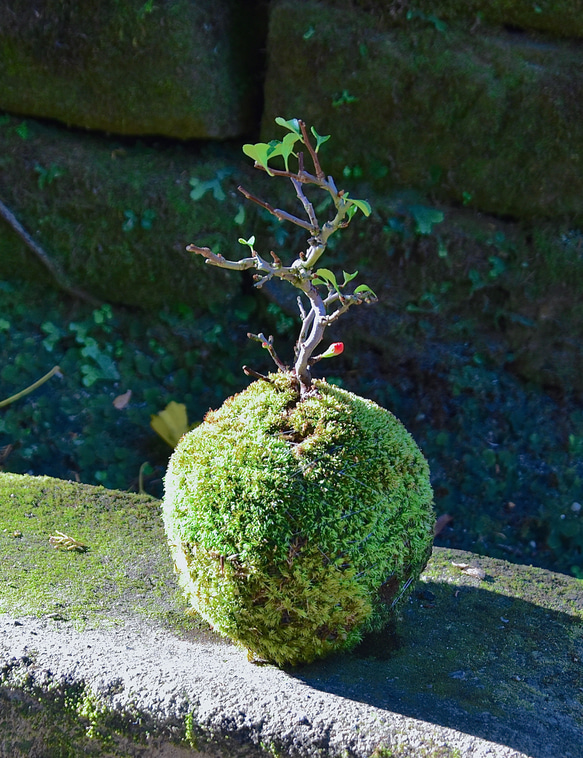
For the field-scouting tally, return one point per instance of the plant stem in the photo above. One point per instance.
(31, 388)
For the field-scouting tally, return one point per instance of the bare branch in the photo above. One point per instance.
(278, 213)
(215, 259)
(308, 207)
(255, 374)
(301, 308)
(267, 343)
(43, 257)
(319, 173)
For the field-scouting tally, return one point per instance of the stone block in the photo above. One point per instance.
(97, 656)
(492, 119)
(180, 69)
(562, 18)
(114, 217)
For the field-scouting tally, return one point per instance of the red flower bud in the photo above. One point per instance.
(335, 349)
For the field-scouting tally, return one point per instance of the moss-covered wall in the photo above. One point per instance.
(183, 69)
(491, 119)
(116, 216)
(563, 18)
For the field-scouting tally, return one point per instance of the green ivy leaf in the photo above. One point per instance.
(425, 218)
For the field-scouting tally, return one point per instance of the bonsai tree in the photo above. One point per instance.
(326, 297)
(298, 514)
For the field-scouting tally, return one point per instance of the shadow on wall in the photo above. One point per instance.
(473, 660)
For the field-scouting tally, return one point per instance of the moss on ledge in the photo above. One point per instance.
(125, 571)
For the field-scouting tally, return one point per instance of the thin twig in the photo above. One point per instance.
(278, 213)
(308, 207)
(319, 173)
(55, 271)
(255, 374)
(267, 343)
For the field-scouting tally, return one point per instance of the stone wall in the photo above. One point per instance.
(183, 69)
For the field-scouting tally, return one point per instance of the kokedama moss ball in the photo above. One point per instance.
(298, 525)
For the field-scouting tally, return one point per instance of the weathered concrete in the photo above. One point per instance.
(99, 659)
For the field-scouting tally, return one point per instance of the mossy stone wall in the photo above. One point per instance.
(115, 216)
(180, 68)
(563, 18)
(490, 118)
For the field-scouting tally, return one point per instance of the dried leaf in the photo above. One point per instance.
(470, 570)
(121, 401)
(63, 542)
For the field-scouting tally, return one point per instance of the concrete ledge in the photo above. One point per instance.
(486, 660)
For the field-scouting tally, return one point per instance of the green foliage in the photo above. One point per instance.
(133, 220)
(70, 427)
(47, 176)
(214, 185)
(297, 525)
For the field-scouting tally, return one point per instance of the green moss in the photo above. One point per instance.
(295, 526)
(487, 117)
(123, 572)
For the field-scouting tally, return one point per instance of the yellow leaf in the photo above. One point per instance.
(171, 423)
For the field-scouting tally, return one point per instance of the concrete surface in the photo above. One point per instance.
(485, 661)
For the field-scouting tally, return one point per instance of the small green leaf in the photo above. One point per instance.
(22, 130)
(287, 147)
(344, 99)
(362, 205)
(319, 138)
(293, 125)
(260, 153)
(250, 242)
(240, 217)
(130, 221)
(328, 276)
(348, 277)
(365, 290)
(148, 217)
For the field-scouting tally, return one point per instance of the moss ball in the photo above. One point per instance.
(297, 525)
